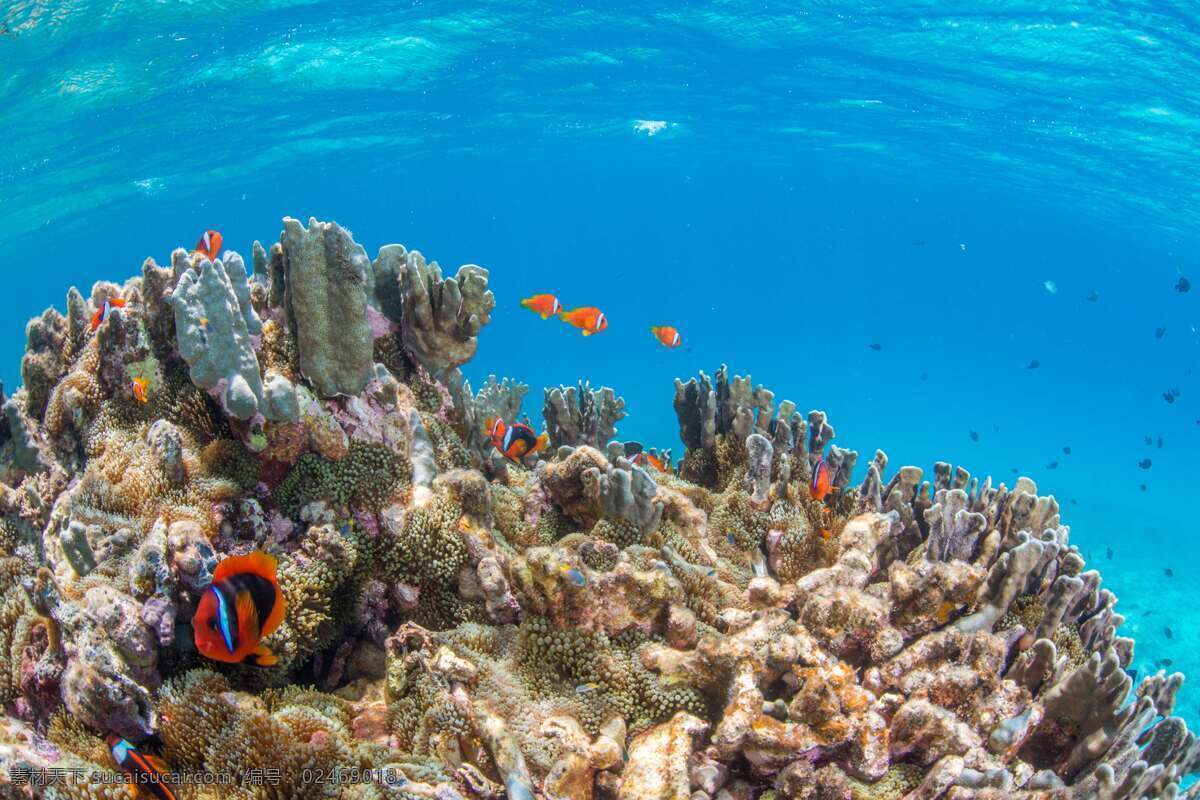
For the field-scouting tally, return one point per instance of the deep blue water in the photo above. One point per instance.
(756, 176)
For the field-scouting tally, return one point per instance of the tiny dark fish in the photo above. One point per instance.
(1016, 470)
(974, 436)
(996, 428)
(1132, 673)
(1067, 449)
(1052, 465)
(919, 243)
(1170, 398)
(1159, 332)
(1160, 443)
(1093, 296)
(1074, 502)
(1166, 662)
(1168, 633)
(925, 376)
(876, 346)
(1149, 439)
(1170, 573)
(1183, 285)
(1143, 487)
(1033, 364)
(1108, 553)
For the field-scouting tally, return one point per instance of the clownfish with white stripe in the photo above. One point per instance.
(241, 607)
(666, 335)
(147, 774)
(105, 310)
(588, 319)
(822, 481)
(544, 305)
(209, 245)
(515, 441)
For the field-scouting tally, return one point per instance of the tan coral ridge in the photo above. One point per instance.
(573, 627)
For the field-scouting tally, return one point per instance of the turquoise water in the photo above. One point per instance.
(786, 188)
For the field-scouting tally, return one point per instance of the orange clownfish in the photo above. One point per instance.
(148, 775)
(544, 305)
(140, 386)
(102, 314)
(822, 481)
(643, 458)
(209, 245)
(242, 607)
(666, 335)
(588, 319)
(517, 440)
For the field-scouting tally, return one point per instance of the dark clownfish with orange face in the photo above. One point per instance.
(517, 440)
(822, 481)
(242, 607)
(148, 775)
(102, 313)
(209, 245)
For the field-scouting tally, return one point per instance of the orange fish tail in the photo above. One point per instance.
(543, 442)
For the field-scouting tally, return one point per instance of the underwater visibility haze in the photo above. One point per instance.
(964, 231)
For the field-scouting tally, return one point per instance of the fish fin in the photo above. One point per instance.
(262, 656)
(587, 333)
(544, 316)
(258, 562)
(248, 625)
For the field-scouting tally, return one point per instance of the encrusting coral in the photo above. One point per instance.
(584, 624)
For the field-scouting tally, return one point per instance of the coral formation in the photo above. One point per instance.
(580, 625)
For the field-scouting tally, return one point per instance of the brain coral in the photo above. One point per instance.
(575, 626)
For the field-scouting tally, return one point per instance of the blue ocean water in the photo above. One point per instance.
(787, 187)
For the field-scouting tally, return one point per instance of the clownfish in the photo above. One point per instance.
(517, 440)
(822, 481)
(140, 386)
(666, 335)
(643, 458)
(102, 314)
(241, 607)
(209, 245)
(544, 305)
(588, 319)
(148, 775)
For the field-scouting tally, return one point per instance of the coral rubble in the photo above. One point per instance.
(584, 624)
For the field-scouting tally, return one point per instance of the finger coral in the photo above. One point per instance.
(772, 619)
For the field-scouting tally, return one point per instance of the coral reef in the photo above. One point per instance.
(582, 625)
